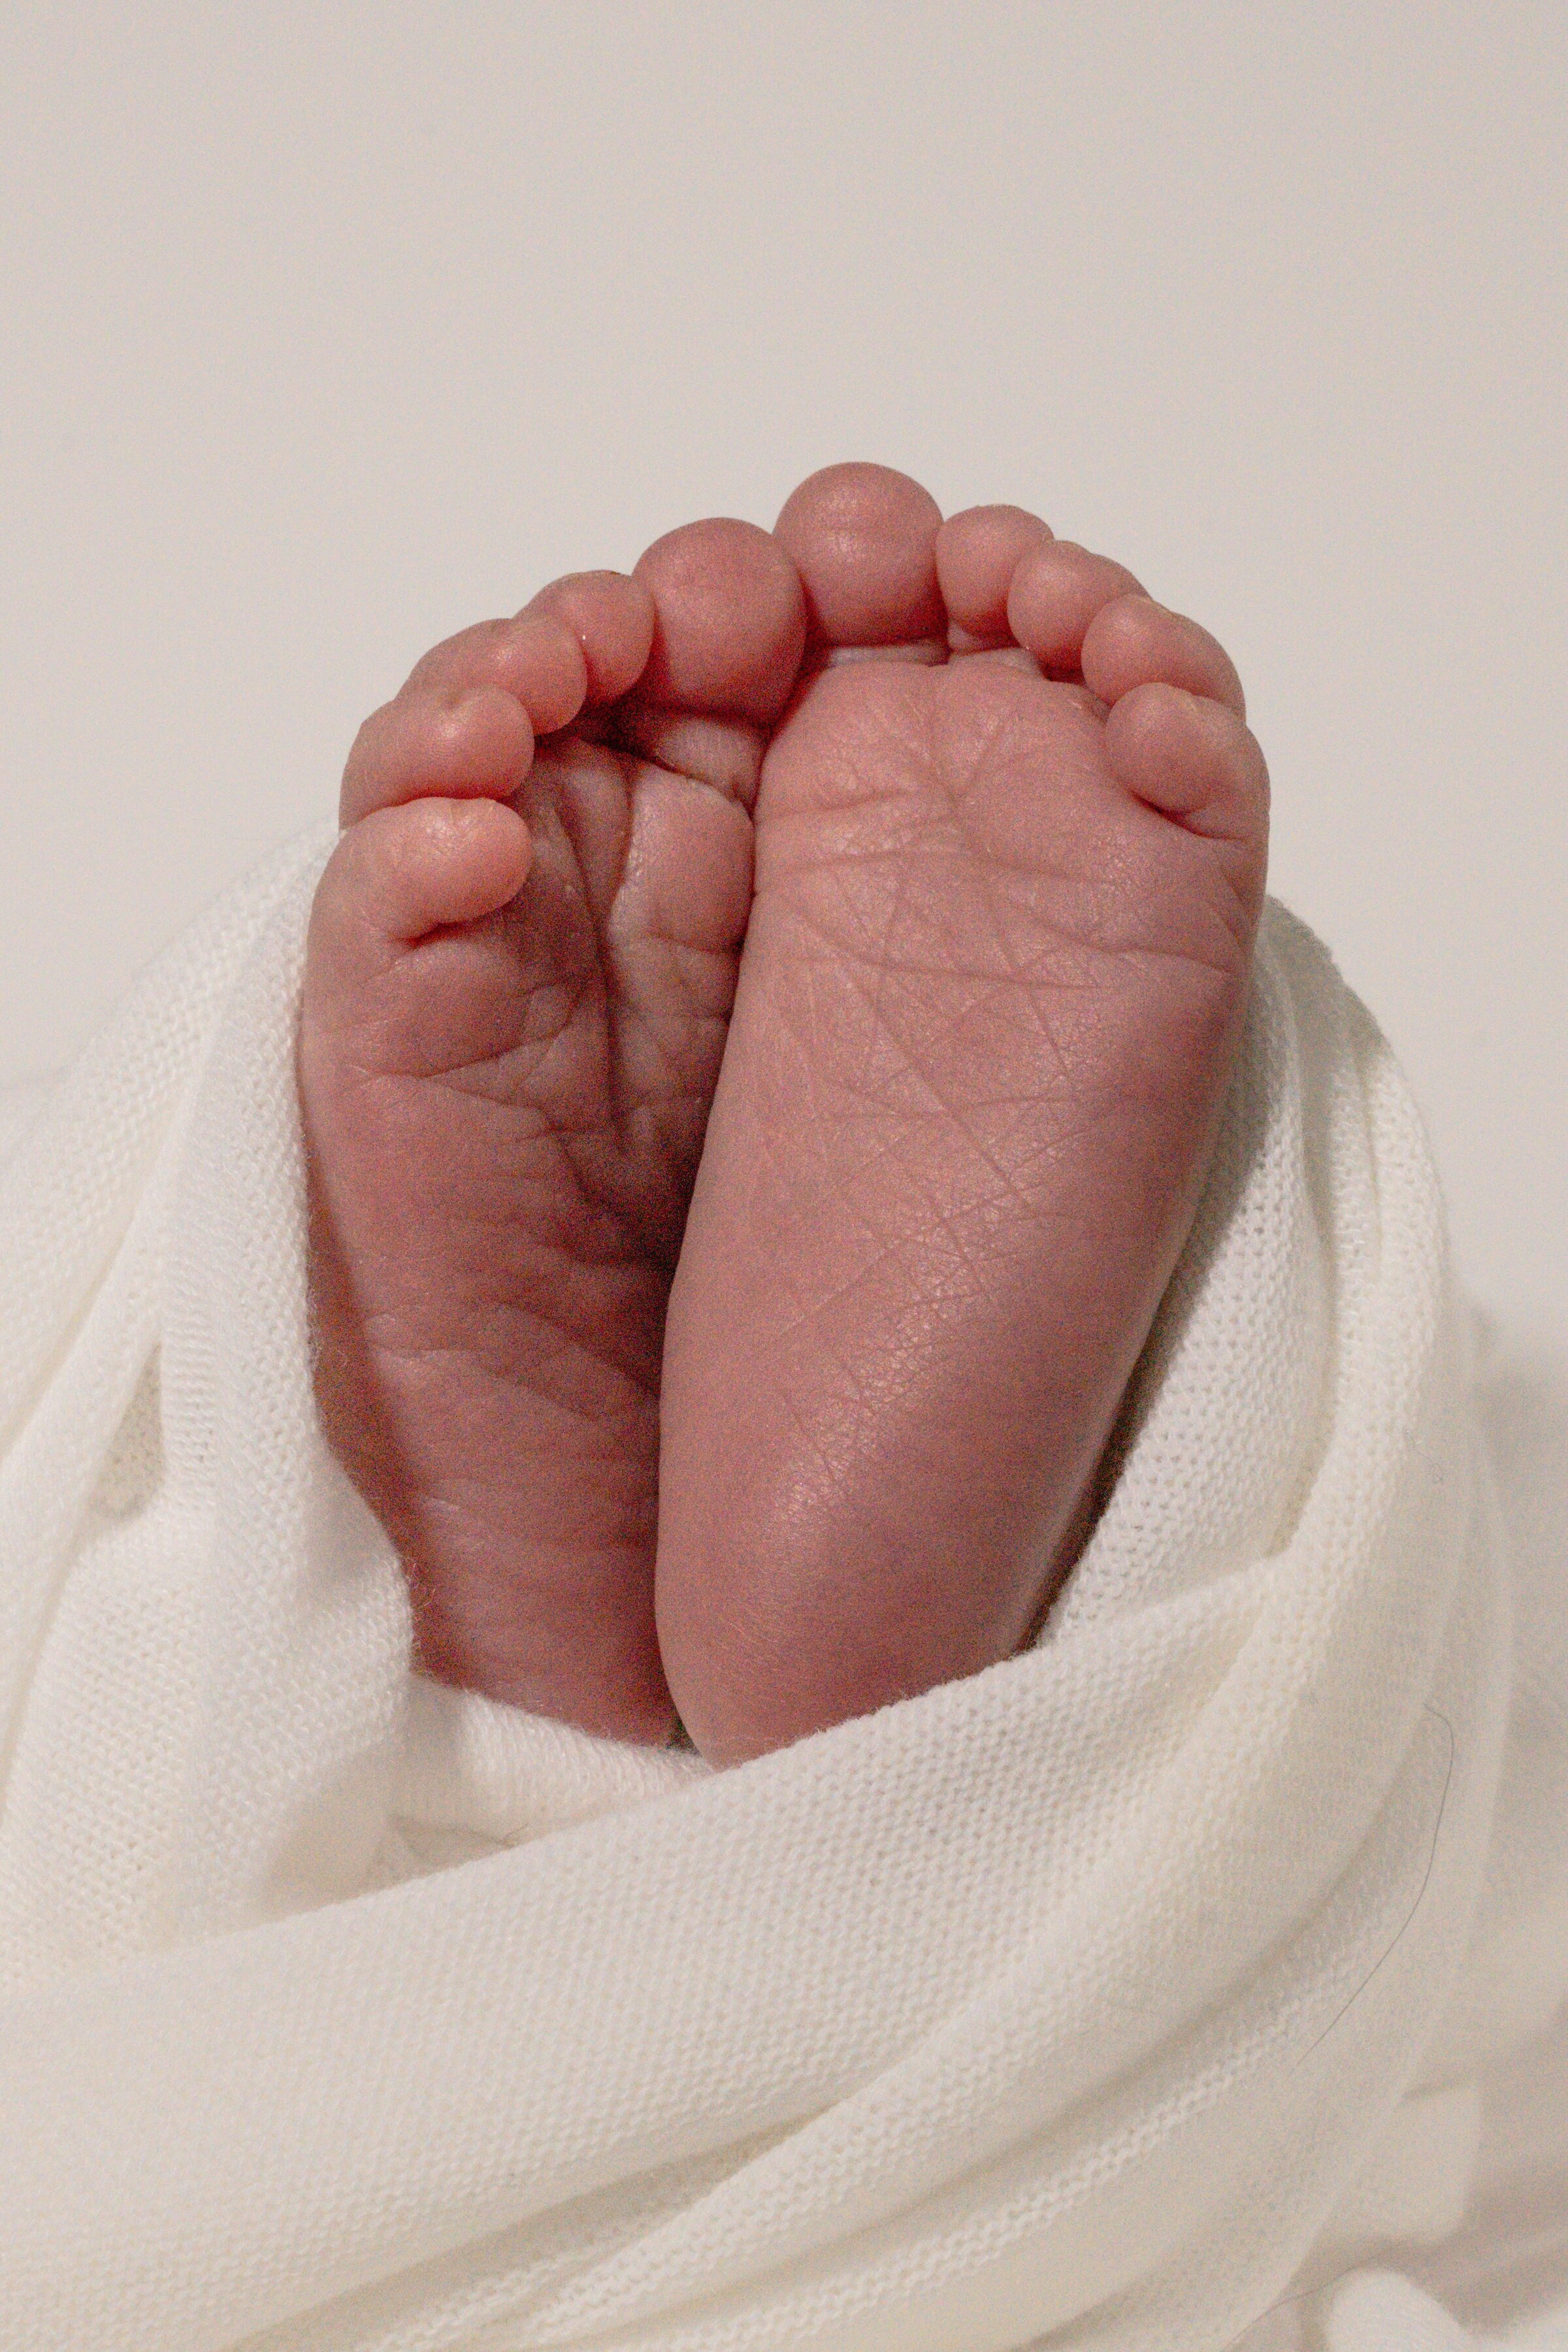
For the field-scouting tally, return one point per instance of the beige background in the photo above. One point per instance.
(331, 328)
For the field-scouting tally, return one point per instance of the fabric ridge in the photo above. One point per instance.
(1171, 1988)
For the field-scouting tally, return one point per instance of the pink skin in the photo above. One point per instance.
(994, 978)
(1009, 851)
(521, 960)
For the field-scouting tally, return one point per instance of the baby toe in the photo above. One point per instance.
(611, 618)
(472, 744)
(1132, 641)
(402, 873)
(864, 540)
(729, 621)
(535, 657)
(1194, 759)
(977, 553)
(1055, 595)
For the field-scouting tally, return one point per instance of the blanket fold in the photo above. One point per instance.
(1142, 1994)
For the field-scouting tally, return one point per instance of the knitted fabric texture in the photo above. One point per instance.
(1139, 1995)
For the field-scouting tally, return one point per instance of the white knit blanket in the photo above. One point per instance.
(1149, 1993)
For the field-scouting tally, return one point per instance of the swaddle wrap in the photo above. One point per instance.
(1138, 1993)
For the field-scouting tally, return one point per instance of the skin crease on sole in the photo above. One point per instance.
(1009, 836)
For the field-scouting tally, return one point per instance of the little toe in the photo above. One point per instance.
(729, 621)
(1056, 592)
(612, 618)
(977, 553)
(535, 656)
(864, 540)
(404, 872)
(1196, 760)
(1132, 641)
(477, 744)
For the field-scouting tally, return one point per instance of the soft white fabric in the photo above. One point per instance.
(21, 1100)
(1144, 1993)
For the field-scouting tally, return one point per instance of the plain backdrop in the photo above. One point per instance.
(329, 329)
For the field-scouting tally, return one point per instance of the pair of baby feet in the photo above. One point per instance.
(766, 1023)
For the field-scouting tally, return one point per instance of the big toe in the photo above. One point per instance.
(863, 539)
(730, 621)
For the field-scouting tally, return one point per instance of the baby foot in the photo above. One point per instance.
(1010, 852)
(521, 965)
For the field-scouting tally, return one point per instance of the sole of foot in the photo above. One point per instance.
(519, 970)
(1010, 849)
